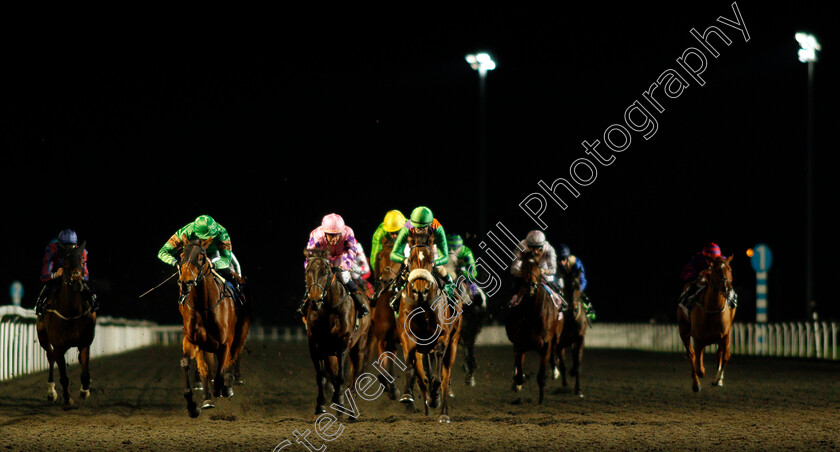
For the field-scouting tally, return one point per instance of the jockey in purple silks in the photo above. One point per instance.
(52, 270)
(694, 283)
(338, 240)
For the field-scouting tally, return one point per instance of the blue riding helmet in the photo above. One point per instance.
(67, 237)
(563, 251)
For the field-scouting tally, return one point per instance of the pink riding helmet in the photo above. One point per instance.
(332, 224)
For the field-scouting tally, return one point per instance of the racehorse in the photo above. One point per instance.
(68, 321)
(709, 322)
(332, 330)
(383, 330)
(428, 324)
(575, 324)
(534, 323)
(213, 323)
(475, 308)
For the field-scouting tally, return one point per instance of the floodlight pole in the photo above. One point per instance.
(809, 241)
(482, 63)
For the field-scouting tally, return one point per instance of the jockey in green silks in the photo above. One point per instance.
(423, 221)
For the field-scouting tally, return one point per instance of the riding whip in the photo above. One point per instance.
(162, 283)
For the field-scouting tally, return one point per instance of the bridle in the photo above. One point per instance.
(192, 255)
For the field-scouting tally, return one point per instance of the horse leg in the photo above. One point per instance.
(202, 370)
(84, 364)
(52, 396)
(469, 357)
(422, 380)
(335, 369)
(189, 352)
(518, 373)
(408, 393)
(560, 370)
(697, 366)
(541, 375)
(446, 374)
(685, 336)
(357, 362)
(723, 358)
(577, 359)
(63, 378)
(227, 359)
(389, 385)
(320, 379)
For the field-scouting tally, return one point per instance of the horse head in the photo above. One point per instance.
(421, 282)
(530, 273)
(720, 276)
(73, 262)
(194, 264)
(571, 289)
(319, 276)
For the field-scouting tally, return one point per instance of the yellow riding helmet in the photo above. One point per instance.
(394, 221)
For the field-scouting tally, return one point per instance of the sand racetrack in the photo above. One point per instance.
(633, 401)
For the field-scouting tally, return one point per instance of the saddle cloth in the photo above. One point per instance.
(555, 298)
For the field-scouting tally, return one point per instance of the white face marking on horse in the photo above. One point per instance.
(421, 256)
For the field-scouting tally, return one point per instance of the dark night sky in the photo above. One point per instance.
(126, 133)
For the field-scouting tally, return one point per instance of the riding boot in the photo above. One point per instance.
(90, 297)
(587, 307)
(448, 286)
(232, 278)
(356, 291)
(41, 301)
(399, 285)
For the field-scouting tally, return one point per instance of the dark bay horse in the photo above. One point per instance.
(575, 324)
(709, 322)
(330, 321)
(68, 321)
(475, 310)
(428, 324)
(213, 324)
(533, 323)
(383, 335)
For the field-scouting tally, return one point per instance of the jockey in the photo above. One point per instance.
(462, 262)
(386, 233)
(695, 282)
(51, 279)
(543, 252)
(569, 263)
(423, 221)
(219, 251)
(340, 243)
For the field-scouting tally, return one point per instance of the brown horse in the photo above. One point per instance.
(331, 329)
(68, 321)
(383, 335)
(429, 324)
(533, 323)
(213, 323)
(575, 324)
(475, 308)
(709, 322)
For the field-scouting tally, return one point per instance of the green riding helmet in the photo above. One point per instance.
(421, 217)
(454, 241)
(205, 227)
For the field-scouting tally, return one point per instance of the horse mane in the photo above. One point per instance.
(421, 238)
(318, 253)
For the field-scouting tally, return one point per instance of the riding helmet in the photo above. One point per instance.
(205, 227)
(535, 238)
(421, 217)
(332, 224)
(394, 221)
(67, 236)
(711, 250)
(454, 241)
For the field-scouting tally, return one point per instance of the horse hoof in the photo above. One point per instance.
(718, 383)
(320, 409)
(470, 381)
(207, 405)
(199, 386)
(194, 411)
(228, 392)
(239, 381)
(579, 394)
(444, 419)
(695, 387)
(555, 375)
(407, 398)
(84, 393)
(516, 387)
(52, 397)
